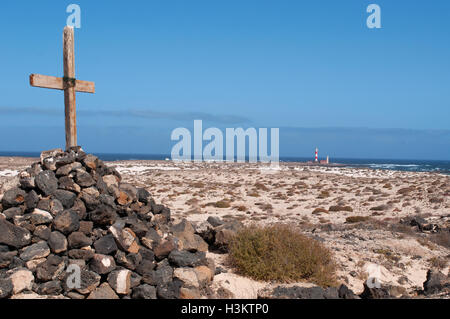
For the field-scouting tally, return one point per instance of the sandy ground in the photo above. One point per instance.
(257, 193)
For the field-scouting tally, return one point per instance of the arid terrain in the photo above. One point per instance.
(377, 223)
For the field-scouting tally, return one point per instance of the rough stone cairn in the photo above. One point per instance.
(72, 229)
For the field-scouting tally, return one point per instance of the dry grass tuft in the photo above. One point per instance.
(426, 243)
(224, 203)
(441, 238)
(438, 262)
(324, 194)
(282, 254)
(406, 190)
(388, 254)
(240, 208)
(380, 208)
(197, 185)
(339, 208)
(319, 210)
(356, 219)
(261, 186)
(253, 194)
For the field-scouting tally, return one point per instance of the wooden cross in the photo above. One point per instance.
(69, 84)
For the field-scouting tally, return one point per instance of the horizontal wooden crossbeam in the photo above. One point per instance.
(53, 82)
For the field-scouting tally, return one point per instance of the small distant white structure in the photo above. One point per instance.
(317, 155)
(328, 159)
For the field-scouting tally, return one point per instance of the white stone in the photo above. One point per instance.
(188, 276)
(33, 295)
(106, 262)
(110, 180)
(91, 191)
(123, 280)
(21, 279)
(114, 231)
(44, 213)
(32, 264)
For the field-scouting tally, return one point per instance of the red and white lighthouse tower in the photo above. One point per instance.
(317, 155)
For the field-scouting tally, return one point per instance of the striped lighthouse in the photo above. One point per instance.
(317, 155)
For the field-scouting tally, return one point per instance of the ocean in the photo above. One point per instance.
(389, 164)
(439, 166)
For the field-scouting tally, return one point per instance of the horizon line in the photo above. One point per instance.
(32, 153)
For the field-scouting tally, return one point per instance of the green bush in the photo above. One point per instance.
(280, 253)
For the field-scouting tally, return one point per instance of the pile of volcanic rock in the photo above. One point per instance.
(71, 229)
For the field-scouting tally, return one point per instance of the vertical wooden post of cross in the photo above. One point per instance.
(69, 87)
(68, 83)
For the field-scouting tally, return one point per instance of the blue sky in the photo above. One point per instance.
(311, 68)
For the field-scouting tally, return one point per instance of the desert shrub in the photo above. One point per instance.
(339, 208)
(261, 186)
(253, 194)
(324, 194)
(426, 243)
(437, 262)
(266, 207)
(319, 210)
(406, 190)
(224, 203)
(197, 185)
(388, 254)
(441, 238)
(192, 201)
(281, 253)
(377, 214)
(356, 219)
(436, 200)
(380, 208)
(240, 208)
(280, 196)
